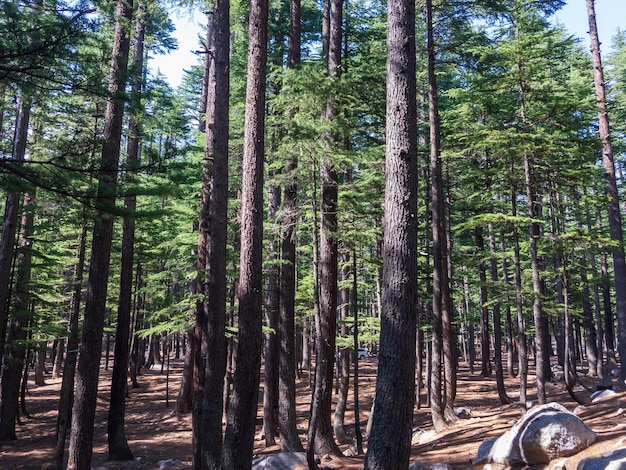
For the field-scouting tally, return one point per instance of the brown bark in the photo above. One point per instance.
(11, 215)
(18, 331)
(327, 322)
(83, 413)
(239, 437)
(389, 443)
(211, 308)
(614, 214)
(116, 433)
(69, 366)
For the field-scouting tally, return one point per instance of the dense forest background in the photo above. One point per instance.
(258, 212)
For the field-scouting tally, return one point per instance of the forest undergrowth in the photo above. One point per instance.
(156, 433)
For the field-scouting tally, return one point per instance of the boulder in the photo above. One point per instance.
(417, 466)
(282, 461)
(544, 433)
(601, 395)
(615, 460)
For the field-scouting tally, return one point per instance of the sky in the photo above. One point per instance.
(610, 15)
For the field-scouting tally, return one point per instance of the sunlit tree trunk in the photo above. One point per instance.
(615, 216)
(210, 361)
(241, 420)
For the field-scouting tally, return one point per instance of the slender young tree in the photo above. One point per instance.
(84, 409)
(288, 433)
(242, 409)
(615, 216)
(389, 444)
(320, 427)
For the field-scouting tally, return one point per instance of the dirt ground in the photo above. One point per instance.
(156, 433)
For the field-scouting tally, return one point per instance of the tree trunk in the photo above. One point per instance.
(18, 331)
(390, 439)
(485, 340)
(69, 366)
(184, 402)
(327, 324)
(522, 343)
(345, 353)
(239, 437)
(497, 324)
(271, 340)
(11, 215)
(615, 216)
(289, 440)
(443, 376)
(83, 413)
(211, 310)
(116, 433)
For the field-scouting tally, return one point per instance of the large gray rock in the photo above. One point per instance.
(615, 460)
(544, 433)
(282, 461)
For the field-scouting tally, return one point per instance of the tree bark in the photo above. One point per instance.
(390, 439)
(84, 409)
(69, 366)
(271, 340)
(16, 347)
(327, 324)
(239, 437)
(212, 285)
(116, 433)
(11, 215)
(615, 216)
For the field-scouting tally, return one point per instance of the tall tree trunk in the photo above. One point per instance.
(69, 365)
(485, 337)
(84, 409)
(239, 437)
(390, 439)
(116, 433)
(211, 309)
(16, 346)
(11, 214)
(355, 345)
(522, 342)
(271, 340)
(441, 383)
(327, 324)
(289, 440)
(497, 324)
(615, 216)
(345, 353)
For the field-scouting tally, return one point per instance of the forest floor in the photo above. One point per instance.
(155, 433)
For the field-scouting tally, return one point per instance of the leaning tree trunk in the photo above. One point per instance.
(239, 437)
(84, 410)
(390, 438)
(116, 433)
(615, 216)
